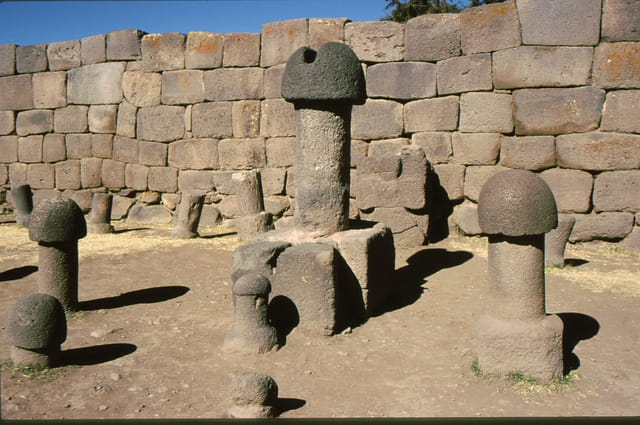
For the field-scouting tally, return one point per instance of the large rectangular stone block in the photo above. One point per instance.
(486, 113)
(409, 229)
(476, 176)
(18, 173)
(237, 154)
(376, 41)
(7, 122)
(621, 111)
(102, 118)
(124, 44)
(489, 28)
(241, 49)
(7, 59)
(30, 148)
(152, 153)
(246, 118)
(621, 20)
(142, 88)
(529, 153)
(273, 81)
(54, 148)
(377, 119)
(101, 145)
(78, 146)
(604, 226)
(93, 49)
(163, 179)
(8, 149)
(113, 174)
(203, 50)
(281, 39)
(31, 58)
(387, 146)
(34, 122)
(91, 172)
(16, 93)
(234, 84)
(64, 55)
(163, 52)
(571, 189)
(135, 176)
(322, 31)
(194, 154)
(125, 149)
(212, 119)
(616, 65)
(40, 176)
(162, 123)
(126, 120)
(440, 114)
(182, 87)
(49, 89)
(273, 180)
(557, 111)
(402, 80)
(71, 119)
(539, 66)
(464, 73)
(4, 176)
(280, 151)
(554, 23)
(433, 37)
(436, 145)
(599, 151)
(465, 218)
(100, 83)
(451, 179)
(278, 118)
(68, 174)
(617, 191)
(475, 148)
(195, 180)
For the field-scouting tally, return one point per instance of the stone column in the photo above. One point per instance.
(57, 224)
(253, 395)
(100, 216)
(323, 85)
(254, 219)
(556, 240)
(23, 202)
(188, 216)
(516, 208)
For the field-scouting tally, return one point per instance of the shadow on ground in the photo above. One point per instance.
(141, 296)
(96, 354)
(130, 230)
(577, 327)
(285, 404)
(17, 273)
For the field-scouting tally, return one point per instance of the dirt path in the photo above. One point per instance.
(149, 346)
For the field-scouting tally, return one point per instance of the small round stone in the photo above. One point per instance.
(253, 388)
(252, 284)
(37, 321)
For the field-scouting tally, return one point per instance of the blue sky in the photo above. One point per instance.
(42, 22)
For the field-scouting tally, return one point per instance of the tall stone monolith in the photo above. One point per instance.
(188, 215)
(23, 202)
(100, 216)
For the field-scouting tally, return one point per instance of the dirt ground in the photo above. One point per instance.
(156, 310)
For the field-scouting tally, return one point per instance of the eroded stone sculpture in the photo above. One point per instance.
(188, 215)
(253, 395)
(516, 208)
(253, 219)
(100, 216)
(23, 202)
(555, 241)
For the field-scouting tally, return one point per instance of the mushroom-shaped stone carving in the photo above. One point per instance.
(36, 328)
(57, 224)
(253, 395)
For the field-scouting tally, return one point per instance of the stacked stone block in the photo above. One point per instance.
(547, 86)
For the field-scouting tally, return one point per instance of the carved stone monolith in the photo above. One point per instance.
(253, 395)
(253, 219)
(188, 215)
(555, 241)
(23, 202)
(100, 216)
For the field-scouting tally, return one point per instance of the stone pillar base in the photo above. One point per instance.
(258, 341)
(44, 358)
(251, 411)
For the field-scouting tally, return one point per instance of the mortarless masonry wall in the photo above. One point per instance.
(549, 86)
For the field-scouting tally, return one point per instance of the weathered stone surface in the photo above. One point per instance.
(120, 207)
(18, 173)
(277, 206)
(7, 122)
(476, 148)
(71, 119)
(433, 37)
(253, 395)
(80, 197)
(163, 179)
(161, 123)
(440, 114)
(281, 39)
(195, 180)
(93, 49)
(241, 49)
(30, 149)
(241, 153)
(489, 28)
(604, 226)
(101, 145)
(102, 118)
(203, 50)
(135, 176)
(387, 147)
(49, 89)
(322, 31)
(273, 81)
(486, 112)
(571, 189)
(632, 241)
(53, 148)
(465, 217)
(142, 88)
(210, 216)
(451, 179)
(476, 176)
(36, 322)
(56, 220)
(124, 44)
(194, 154)
(529, 153)
(280, 151)
(538, 66)
(188, 215)
(182, 87)
(68, 174)
(125, 149)
(151, 214)
(556, 240)
(7, 59)
(95, 84)
(277, 118)
(621, 20)
(234, 84)
(63, 55)
(615, 65)
(152, 153)
(408, 229)
(39, 176)
(163, 52)
(34, 122)
(571, 22)
(464, 73)
(617, 191)
(402, 80)
(212, 119)
(377, 119)
(273, 180)
(246, 118)
(78, 146)
(8, 149)
(621, 111)
(16, 93)
(599, 151)
(113, 174)
(376, 41)
(91, 172)
(557, 111)
(31, 58)
(359, 149)
(126, 120)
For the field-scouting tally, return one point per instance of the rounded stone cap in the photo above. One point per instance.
(37, 321)
(332, 73)
(253, 388)
(57, 220)
(252, 284)
(516, 203)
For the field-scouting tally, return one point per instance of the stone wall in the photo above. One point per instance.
(549, 86)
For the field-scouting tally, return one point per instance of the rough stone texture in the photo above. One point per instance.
(57, 220)
(95, 84)
(258, 257)
(599, 151)
(34, 122)
(615, 65)
(557, 111)
(556, 240)
(476, 176)
(248, 226)
(253, 395)
(49, 89)
(161, 123)
(135, 176)
(23, 203)
(233, 84)
(31, 58)
(432, 37)
(18, 173)
(281, 39)
(7, 122)
(273, 81)
(17, 92)
(486, 112)
(124, 44)
(439, 114)
(465, 217)
(571, 189)
(245, 118)
(377, 119)
(376, 41)
(8, 149)
(248, 187)
(475, 149)
(488, 28)
(113, 174)
(30, 149)
(408, 229)
(203, 50)
(210, 216)
(386, 147)
(451, 179)
(277, 118)
(63, 55)
(322, 31)
(195, 180)
(163, 179)
(182, 87)
(163, 52)
(464, 73)
(126, 120)
(621, 20)
(91, 172)
(142, 89)
(604, 226)
(280, 151)
(39, 176)
(621, 111)
(212, 119)
(100, 217)
(538, 66)
(37, 321)
(402, 80)
(93, 49)
(71, 119)
(102, 118)
(570, 22)
(125, 149)
(617, 191)
(188, 216)
(194, 153)
(241, 49)
(7, 59)
(241, 153)
(53, 148)
(529, 153)
(68, 174)
(120, 207)
(152, 153)
(152, 214)
(101, 145)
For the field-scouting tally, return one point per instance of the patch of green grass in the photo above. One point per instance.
(78, 314)
(33, 372)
